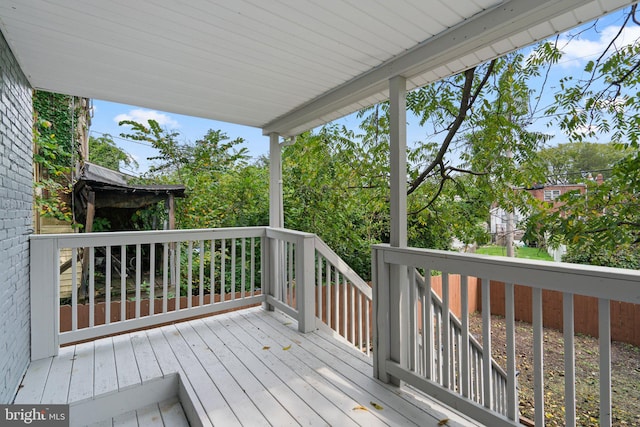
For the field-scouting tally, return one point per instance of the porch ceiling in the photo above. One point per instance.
(282, 65)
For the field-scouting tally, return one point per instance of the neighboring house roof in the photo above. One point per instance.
(114, 191)
(284, 67)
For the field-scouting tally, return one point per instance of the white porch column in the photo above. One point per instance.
(398, 159)
(276, 215)
(398, 278)
(276, 219)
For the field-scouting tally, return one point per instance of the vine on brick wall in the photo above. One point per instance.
(53, 188)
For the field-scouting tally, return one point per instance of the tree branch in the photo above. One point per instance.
(466, 101)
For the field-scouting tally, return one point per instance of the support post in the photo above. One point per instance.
(305, 284)
(381, 333)
(276, 216)
(399, 281)
(45, 298)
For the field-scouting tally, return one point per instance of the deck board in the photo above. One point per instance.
(209, 395)
(105, 375)
(82, 374)
(202, 340)
(249, 367)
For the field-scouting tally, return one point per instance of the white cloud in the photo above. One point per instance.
(143, 116)
(579, 50)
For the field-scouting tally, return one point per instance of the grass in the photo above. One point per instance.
(524, 252)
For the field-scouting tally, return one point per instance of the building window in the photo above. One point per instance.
(551, 195)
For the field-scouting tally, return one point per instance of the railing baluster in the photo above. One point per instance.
(223, 273)
(138, 278)
(538, 362)
(178, 270)
(465, 372)
(189, 273)
(328, 293)
(413, 321)
(486, 341)
(344, 308)
(512, 393)
(107, 286)
(352, 310)
(165, 276)
(123, 283)
(367, 331)
(360, 312)
(92, 286)
(201, 276)
(569, 359)
(438, 340)
(74, 289)
(427, 315)
(233, 265)
(212, 272)
(253, 266)
(446, 329)
(604, 340)
(291, 277)
(152, 279)
(243, 266)
(319, 286)
(336, 295)
(422, 362)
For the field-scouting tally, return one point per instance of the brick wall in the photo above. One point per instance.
(15, 221)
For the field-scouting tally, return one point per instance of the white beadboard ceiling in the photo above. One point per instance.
(281, 65)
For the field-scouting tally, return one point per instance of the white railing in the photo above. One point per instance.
(396, 360)
(335, 296)
(127, 280)
(429, 358)
(344, 300)
(123, 281)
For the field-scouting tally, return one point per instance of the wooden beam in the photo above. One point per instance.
(88, 227)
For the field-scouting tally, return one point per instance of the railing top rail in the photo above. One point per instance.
(80, 240)
(600, 282)
(286, 234)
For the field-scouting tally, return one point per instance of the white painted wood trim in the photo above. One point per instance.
(512, 390)
(498, 22)
(148, 321)
(45, 297)
(275, 181)
(398, 161)
(111, 405)
(305, 284)
(569, 359)
(448, 397)
(586, 280)
(538, 358)
(604, 341)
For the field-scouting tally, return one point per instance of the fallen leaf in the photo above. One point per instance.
(360, 408)
(286, 323)
(266, 347)
(375, 405)
(443, 422)
(287, 347)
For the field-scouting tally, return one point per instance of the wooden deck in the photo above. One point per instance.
(249, 367)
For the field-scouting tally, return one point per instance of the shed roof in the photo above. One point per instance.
(281, 65)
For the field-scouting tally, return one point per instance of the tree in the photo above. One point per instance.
(572, 162)
(606, 219)
(217, 178)
(104, 152)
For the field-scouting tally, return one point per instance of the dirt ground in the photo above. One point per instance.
(625, 375)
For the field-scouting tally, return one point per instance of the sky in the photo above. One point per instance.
(106, 116)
